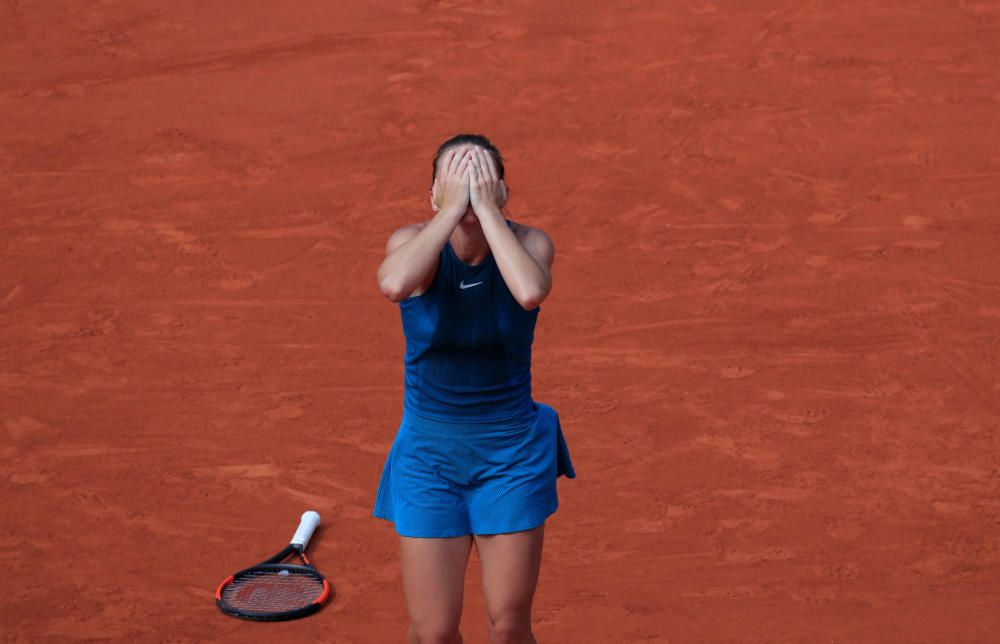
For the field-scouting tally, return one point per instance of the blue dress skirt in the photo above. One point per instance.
(452, 478)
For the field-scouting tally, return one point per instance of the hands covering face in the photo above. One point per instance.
(468, 178)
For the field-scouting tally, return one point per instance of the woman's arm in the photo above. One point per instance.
(525, 264)
(411, 253)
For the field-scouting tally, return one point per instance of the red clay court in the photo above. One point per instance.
(772, 340)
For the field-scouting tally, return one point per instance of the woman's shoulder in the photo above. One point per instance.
(410, 229)
(524, 231)
(402, 235)
(536, 242)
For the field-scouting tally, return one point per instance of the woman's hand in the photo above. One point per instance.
(486, 191)
(452, 182)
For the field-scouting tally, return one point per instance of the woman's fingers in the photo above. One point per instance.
(475, 163)
(477, 178)
(480, 168)
(447, 166)
(462, 161)
(486, 165)
(454, 161)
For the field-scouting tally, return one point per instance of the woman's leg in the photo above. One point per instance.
(510, 563)
(434, 583)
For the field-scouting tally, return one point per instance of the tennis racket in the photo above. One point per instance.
(272, 590)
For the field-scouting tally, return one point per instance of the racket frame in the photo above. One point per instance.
(273, 563)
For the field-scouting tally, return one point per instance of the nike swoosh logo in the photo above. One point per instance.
(463, 285)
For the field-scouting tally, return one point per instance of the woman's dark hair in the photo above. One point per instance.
(475, 139)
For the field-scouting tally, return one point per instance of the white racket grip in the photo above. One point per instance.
(310, 519)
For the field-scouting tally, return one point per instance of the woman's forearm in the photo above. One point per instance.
(405, 268)
(527, 280)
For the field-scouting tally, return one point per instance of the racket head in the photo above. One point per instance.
(273, 592)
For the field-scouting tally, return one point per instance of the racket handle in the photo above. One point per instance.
(310, 519)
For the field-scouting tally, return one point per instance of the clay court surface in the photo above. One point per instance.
(773, 337)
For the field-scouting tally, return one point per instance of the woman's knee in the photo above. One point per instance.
(436, 632)
(511, 628)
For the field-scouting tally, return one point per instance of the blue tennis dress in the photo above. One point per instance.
(474, 453)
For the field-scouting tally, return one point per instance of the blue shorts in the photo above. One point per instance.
(448, 479)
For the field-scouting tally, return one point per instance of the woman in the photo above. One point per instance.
(475, 458)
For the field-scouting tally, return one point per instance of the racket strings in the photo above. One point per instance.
(272, 591)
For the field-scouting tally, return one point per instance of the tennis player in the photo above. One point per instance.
(475, 458)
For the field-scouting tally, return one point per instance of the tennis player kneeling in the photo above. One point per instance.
(475, 459)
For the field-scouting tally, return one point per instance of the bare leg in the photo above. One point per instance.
(411, 637)
(511, 563)
(434, 583)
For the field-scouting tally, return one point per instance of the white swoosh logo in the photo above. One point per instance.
(463, 285)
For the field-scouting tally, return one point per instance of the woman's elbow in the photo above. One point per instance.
(530, 301)
(530, 297)
(391, 290)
